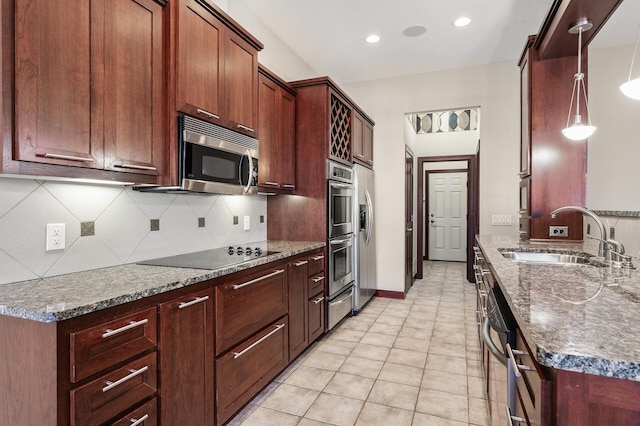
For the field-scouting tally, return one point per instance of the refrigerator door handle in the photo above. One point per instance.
(369, 231)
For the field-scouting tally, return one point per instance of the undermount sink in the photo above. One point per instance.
(549, 258)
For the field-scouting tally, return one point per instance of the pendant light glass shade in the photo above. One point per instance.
(631, 88)
(577, 130)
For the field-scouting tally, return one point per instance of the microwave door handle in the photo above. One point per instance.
(249, 178)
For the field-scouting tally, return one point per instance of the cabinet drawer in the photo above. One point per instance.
(99, 347)
(246, 306)
(316, 316)
(248, 367)
(146, 415)
(316, 263)
(115, 392)
(316, 284)
(534, 389)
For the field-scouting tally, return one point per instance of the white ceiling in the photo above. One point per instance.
(329, 35)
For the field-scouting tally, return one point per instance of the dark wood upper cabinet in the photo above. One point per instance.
(277, 133)
(216, 67)
(199, 61)
(362, 140)
(87, 89)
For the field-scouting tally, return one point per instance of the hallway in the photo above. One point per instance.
(400, 362)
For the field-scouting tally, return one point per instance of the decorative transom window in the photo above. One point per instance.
(459, 120)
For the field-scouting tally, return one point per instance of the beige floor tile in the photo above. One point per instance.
(448, 349)
(447, 337)
(264, 394)
(242, 415)
(445, 382)
(354, 324)
(325, 360)
(446, 363)
(290, 399)
(310, 378)
(388, 318)
(361, 367)
(310, 422)
(266, 417)
(424, 332)
(450, 327)
(407, 357)
(363, 350)
(339, 347)
(336, 410)
(478, 412)
(351, 386)
(474, 368)
(476, 387)
(348, 335)
(382, 415)
(378, 339)
(412, 344)
(394, 395)
(423, 324)
(420, 419)
(382, 328)
(443, 404)
(398, 373)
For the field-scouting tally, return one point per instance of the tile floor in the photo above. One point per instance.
(399, 362)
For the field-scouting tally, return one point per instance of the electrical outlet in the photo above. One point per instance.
(559, 231)
(55, 236)
(247, 223)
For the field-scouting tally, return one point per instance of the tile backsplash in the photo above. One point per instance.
(121, 220)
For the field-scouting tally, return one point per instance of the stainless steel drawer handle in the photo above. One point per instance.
(344, 299)
(238, 286)
(248, 129)
(272, 183)
(318, 257)
(237, 355)
(511, 419)
(208, 114)
(133, 324)
(135, 166)
(193, 302)
(318, 300)
(318, 279)
(134, 373)
(288, 185)
(67, 157)
(302, 262)
(136, 422)
(516, 367)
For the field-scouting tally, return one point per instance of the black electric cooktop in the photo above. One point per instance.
(211, 259)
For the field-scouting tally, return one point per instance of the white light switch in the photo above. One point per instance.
(55, 236)
(247, 223)
(501, 220)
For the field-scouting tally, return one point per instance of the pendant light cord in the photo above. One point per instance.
(635, 48)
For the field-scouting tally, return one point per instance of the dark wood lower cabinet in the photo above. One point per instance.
(298, 318)
(186, 360)
(250, 366)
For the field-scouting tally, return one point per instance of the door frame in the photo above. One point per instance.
(409, 276)
(473, 204)
(427, 176)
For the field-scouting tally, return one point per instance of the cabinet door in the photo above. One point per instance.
(525, 117)
(186, 360)
(269, 149)
(241, 84)
(130, 87)
(298, 296)
(53, 45)
(368, 143)
(287, 138)
(357, 137)
(316, 317)
(199, 62)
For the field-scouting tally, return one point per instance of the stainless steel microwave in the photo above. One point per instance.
(213, 160)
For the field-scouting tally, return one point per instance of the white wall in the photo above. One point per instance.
(447, 143)
(495, 88)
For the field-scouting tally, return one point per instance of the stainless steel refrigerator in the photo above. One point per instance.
(364, 247)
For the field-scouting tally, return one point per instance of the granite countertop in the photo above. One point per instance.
(66, 296)
(577, 318)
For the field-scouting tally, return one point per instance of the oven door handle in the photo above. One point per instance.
(341, 185)
(340, 241)
(486, 336)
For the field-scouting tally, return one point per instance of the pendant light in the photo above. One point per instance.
(577, 130)
(631, 88)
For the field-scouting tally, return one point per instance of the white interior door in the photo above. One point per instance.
(447, 217)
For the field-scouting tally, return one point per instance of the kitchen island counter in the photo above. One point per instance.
(576, 318)
(67, 296)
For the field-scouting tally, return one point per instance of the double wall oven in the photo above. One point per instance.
(340, 242)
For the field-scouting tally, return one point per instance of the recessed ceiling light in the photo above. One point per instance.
(463, 21)
(414, 31)
(373, 38)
